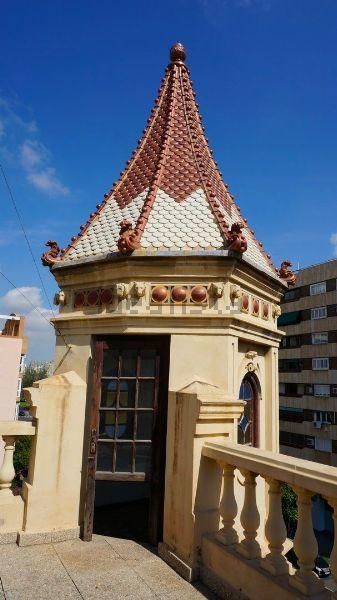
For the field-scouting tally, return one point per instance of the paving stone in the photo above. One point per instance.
(129, 550)
(104, 569)
(161, 578)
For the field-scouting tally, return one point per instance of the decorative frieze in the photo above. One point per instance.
(199, 293)
(179, 294)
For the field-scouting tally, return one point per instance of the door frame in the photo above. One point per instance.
(157, 481)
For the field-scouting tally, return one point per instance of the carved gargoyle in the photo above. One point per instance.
(276, 311)
(286, 273)
(139, 289)
(235, 238)
(60, 298)
(251, 366)
(52, 255)
(216, 289)
(127, 240)
(235, 292)
(121, 290)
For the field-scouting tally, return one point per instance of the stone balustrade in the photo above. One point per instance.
(245, 465)
(10, 431)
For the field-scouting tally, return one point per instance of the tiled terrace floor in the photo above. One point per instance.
(106, 568)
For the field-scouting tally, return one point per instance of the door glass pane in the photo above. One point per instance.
(127, 394)
(110, 362)
(124, 458)
(146, 394)
(107, 419)
(109, 393)
(143, 458)
(129, 363)
(104, 456)
(148, 362)
(144, 425)
(245, 430)
(125, 425)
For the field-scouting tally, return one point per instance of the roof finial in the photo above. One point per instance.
(178, 53)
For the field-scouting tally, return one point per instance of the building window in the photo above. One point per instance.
(323, 416)
(319, 313)
(282, 389)
(293, 365)
(319, 338)
(308, 389)
(22, 362)
(321, 390)
(323, 445)
(309, 441)
(334, 390)
(18, 388)
(292, 414)
(294, 341)
(320, 364)
(291, 295)
(318, 288)
(287, 438)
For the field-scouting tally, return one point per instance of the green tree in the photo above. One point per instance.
(33, 372)
(289, 510)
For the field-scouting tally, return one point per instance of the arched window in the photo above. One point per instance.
(248, 431)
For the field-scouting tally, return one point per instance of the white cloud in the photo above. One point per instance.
(33, 156)
(40, 334)
(32, 153)
(333, 241)
(46, 180)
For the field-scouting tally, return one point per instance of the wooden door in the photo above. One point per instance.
(127, 429)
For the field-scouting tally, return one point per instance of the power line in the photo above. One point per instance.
(36, 308)
(26, 237)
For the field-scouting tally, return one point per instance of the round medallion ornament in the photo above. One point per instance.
(159, 293)
(93, 298)
(79, 299)
(106, 296)
(199, 294)
(179, 293)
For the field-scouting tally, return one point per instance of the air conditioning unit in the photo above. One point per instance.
(317, 424)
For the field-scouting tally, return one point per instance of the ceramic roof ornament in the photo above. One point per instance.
(170, 196)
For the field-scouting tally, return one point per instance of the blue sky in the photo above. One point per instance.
(78, 80)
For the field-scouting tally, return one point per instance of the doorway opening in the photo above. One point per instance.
(127, 438)
(248, 425)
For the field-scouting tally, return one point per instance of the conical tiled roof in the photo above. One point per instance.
(171, 196)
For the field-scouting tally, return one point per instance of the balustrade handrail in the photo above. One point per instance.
(297, 472)
(17, 428)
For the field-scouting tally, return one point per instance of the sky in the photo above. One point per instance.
(77, 82)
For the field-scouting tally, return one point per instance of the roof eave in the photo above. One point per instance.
(158, 254)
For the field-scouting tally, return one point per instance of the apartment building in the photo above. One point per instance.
(308, 366)
(13, 349)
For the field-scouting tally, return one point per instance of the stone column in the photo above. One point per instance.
(305, 546)
(276, 532)
(250, 518)
(198, 413)
(7, 471)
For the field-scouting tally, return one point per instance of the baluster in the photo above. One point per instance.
(7, 472)
(305, 546)
(228, 507)
(250, 518)
(276, 532)
(333, 557)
